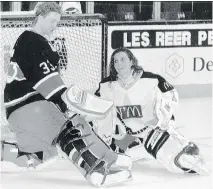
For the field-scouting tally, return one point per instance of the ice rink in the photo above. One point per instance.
(194, 120)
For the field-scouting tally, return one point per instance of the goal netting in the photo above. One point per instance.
(79, 40)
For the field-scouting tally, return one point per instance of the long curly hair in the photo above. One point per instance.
(136, 68)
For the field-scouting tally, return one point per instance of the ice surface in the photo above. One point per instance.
(194, 120)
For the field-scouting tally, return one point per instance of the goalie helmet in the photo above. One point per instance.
(71, 7)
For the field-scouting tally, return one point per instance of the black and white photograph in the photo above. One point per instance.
(106, 94)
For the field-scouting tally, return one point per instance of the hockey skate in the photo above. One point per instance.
(190, 160)
(12, 159)
(9, 149)
(175, 152)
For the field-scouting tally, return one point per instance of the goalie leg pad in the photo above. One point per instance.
(175, 152)
(9, 151)
(95, 160)
(155, 141)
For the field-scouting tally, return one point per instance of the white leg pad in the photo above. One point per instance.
(175, 152)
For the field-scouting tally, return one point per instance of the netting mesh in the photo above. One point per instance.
(78, 40)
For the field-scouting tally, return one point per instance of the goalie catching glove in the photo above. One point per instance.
(85, 104)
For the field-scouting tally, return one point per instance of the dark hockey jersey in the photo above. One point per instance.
(33, 73)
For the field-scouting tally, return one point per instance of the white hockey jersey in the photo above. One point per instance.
(135, 104)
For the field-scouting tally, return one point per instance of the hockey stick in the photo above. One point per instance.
(128, 130)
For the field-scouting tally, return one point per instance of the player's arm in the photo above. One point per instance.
(166, 101)
(44, 76)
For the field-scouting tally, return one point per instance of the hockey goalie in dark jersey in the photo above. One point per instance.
(44, 113)
(145, 104)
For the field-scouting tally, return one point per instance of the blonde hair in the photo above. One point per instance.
(44, 8)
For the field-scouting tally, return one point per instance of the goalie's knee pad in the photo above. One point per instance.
(175, 152)
(95, 160)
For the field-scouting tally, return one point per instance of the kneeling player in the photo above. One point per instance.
(38, 115)
(145, 104)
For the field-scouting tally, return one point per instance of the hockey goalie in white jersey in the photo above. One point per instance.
(145, 105)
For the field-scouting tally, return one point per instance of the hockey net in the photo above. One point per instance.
(79, 40)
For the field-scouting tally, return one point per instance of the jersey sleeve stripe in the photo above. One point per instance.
(45, 79)
(50, 86)
(55, 91)
(18, 100)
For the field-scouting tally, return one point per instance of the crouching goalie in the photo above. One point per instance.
(76, 140)
(43, 113)
(145, 104)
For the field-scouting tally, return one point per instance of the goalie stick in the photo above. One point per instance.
(128, 130)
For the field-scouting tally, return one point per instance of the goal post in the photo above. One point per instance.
(81, 42)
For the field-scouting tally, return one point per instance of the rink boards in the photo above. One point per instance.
(179, 51)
